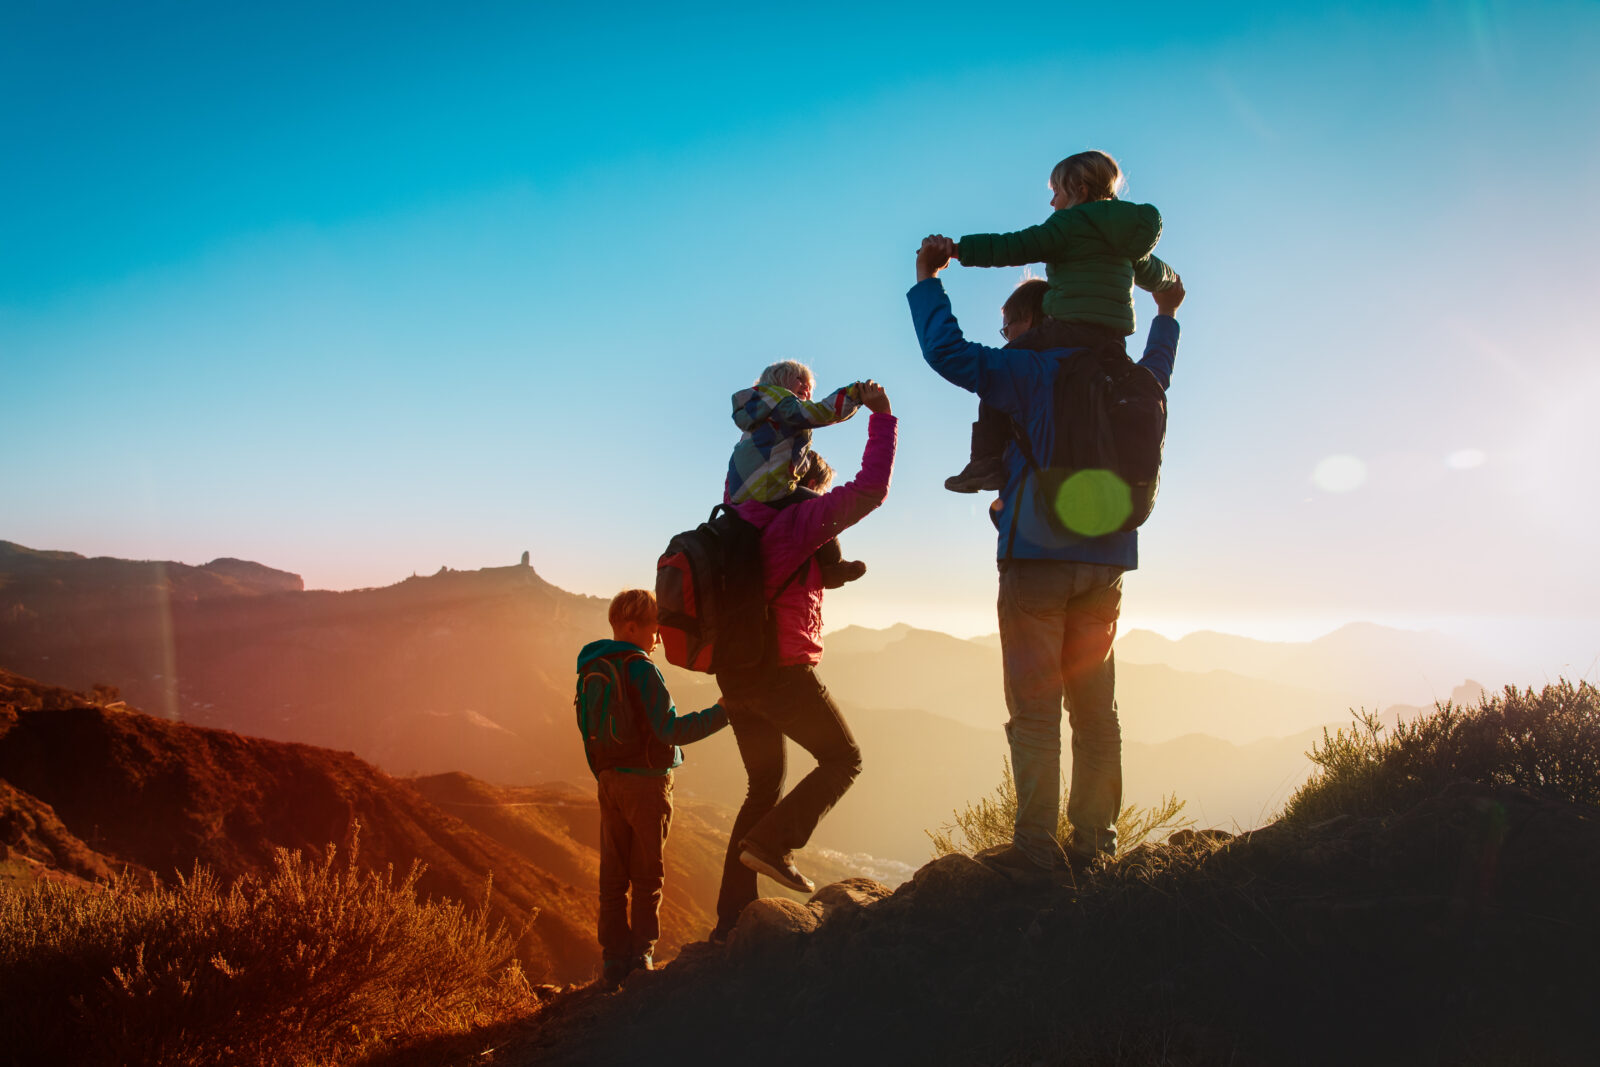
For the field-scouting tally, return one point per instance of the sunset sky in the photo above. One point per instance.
(359, 292)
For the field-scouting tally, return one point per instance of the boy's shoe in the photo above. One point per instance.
(612, 972)
(979, 476)
(779, 868)
(836, 574)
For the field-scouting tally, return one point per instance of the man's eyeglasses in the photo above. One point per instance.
(1007, 328)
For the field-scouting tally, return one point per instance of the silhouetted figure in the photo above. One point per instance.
(784, 697)
(1060, 594)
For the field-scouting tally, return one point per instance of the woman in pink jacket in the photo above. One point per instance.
(785, 698)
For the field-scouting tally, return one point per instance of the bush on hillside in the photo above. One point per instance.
(310, 962)
(989, 822)
(1547, 742)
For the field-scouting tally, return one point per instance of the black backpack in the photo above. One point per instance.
(611, 717)
(713, 616)
(1110, 425)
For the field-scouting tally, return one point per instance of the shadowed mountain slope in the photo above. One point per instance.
(87, 789)
(136, 791)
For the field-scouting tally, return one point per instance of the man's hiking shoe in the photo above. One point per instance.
(836, 574)
(1010, 858)
(979, 476)
(646, 962)
(1082, 864)
(779, 868)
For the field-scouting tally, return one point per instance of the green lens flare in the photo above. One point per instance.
(1093, 502)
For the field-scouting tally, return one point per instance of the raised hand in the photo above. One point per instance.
(874, 398)
(1168, 299)
(934, 255)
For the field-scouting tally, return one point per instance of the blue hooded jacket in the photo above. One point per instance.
(1021, 383)
(670, 728)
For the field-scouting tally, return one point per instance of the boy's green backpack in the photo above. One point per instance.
(611, 717)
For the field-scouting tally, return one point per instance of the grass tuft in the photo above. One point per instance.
(311, 962)
(990, 822)
(1546, 741)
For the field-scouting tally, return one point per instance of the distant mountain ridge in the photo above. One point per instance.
(471, 671)
(454, 671)
(1379, 665)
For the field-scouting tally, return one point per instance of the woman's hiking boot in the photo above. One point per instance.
(979, 476)
(780, 869)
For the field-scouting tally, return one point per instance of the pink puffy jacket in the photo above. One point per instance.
(789, 536)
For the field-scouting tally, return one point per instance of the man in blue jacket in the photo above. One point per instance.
(1060, 595)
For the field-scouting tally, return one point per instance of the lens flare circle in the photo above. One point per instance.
(1339, 474)
(1465, 459)
(1092, 503)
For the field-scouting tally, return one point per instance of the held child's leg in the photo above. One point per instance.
(836, 570)
(983, 471)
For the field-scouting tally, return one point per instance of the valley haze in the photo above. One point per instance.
(472, 671)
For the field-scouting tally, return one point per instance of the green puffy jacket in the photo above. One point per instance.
(1093, 255)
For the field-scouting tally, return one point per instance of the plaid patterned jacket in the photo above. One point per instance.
(777, 427)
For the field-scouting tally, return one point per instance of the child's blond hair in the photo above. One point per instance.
(1094, 170)
(790, 374)
(632, 605)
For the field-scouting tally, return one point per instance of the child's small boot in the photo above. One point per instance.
(836, 574)
(979, 476)
(984, 473)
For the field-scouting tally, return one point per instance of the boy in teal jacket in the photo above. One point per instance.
(631, 737)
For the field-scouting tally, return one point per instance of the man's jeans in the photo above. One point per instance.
(763, 708)
(635, 814)
(1057, 622)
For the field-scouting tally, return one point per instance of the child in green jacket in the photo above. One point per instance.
(1095, 249)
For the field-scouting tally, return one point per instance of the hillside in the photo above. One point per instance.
(88, 789)
(1428, 900)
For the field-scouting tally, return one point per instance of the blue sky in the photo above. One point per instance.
(360, 291)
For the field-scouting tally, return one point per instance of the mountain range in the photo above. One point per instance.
(470, 673)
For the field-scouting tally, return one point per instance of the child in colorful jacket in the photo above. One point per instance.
(776, 416)
(773, 460)
(1095, 249)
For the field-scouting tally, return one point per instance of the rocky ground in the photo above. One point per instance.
(1463, 930)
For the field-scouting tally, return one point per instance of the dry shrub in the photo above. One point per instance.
(1546, 741)
(990, 821)
(311, 962)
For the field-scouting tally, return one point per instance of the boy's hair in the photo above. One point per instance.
(1026, 301)
(817, 475)
(791, 374)
(1097, 172)
(632, 605)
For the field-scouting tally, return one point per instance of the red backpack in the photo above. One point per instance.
(713, 616)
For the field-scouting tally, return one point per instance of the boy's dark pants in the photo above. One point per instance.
(764, 708)
(635, 813)
(993, 428)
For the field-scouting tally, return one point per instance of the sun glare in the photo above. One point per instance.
(1339, 474)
